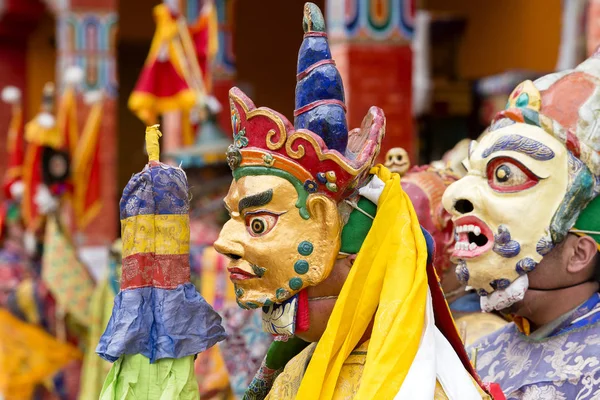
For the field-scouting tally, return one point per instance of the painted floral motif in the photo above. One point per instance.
(269, 160)
(310, 186)
(240, 140)
(239, 136)
(235, 117)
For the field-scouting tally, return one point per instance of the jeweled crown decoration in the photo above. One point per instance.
(316, 150)
(564, 105)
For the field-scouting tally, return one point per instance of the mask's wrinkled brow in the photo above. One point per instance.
(521, 144)
(255, 200)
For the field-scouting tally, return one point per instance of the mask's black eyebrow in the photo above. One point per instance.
(521, 144)
(256, 200)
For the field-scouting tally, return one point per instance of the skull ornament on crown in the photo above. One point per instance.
(289, 182)
(397, 160)
(531, 179)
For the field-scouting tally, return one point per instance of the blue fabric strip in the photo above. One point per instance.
(155, 190)
(160, 323)
(590, 304)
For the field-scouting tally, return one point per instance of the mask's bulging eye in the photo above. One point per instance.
(502, 173)
(508, 175)
(260, 223)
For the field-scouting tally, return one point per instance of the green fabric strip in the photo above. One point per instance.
(589, 219)
(356, 229)
(132, 377)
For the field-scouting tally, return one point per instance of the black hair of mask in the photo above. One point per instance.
(356, 229)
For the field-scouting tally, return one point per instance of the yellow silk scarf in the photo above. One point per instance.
(389, 281)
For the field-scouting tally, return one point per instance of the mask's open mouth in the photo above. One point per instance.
(473, 237)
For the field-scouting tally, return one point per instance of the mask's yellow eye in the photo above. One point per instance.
(508, 175)
(260, 223)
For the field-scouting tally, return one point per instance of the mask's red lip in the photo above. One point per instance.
(474, 238)
(236, 274)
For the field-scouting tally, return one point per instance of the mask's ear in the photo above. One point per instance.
(327, 228)
(321, 207)
(583, 254)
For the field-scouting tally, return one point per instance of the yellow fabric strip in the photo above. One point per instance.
(67, 118)
(25, 296)
(82, 167)
(187, 131)
(159, 234)
(523, 325)
(388, 281)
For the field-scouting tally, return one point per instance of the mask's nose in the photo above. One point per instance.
(459, 198)
(463, 206)
(227, 244)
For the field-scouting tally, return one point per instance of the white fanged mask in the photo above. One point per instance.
(503, 209)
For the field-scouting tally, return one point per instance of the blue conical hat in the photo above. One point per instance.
(319, 90)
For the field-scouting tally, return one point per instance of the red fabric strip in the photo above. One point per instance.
(307, 71)
(302, 315)
(165, 271)
(318, 103)
(315, 34)
(160, 79)
(445, 323)
(496, 391)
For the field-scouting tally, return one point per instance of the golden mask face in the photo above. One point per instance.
(273, 251)
(503, 208)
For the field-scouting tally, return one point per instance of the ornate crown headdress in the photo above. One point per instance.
(317, 153)
(565, 105)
